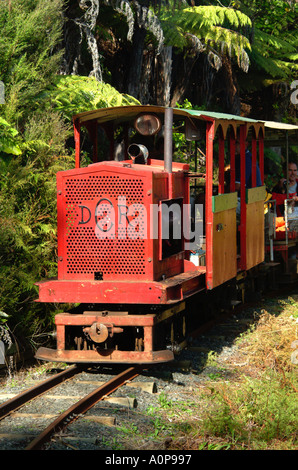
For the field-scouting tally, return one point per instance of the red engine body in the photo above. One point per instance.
(110, 245)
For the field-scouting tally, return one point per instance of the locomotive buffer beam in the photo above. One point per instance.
(99, 327)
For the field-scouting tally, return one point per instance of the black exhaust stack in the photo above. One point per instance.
(168, 143)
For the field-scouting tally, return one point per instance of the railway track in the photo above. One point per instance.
(224, 331)
(74, 411)
(79, 408)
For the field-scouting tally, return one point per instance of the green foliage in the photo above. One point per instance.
(30, 32)
(212, 27)
(274, 17)
(260, 411)
(9, 139)
(28, 216)
(274, 42)
(30, 145)
(274, 55)
(74, 94)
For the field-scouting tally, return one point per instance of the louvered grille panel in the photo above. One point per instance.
(89, 255)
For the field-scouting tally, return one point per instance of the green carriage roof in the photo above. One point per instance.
(120, 114)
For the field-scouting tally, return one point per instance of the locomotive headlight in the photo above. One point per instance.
(147, 124)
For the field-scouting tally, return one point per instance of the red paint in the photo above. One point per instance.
(254, 162)
(261, 154)
(242, 198)
(208, 202)
(77, 138)
(221, 159)
(232, 161)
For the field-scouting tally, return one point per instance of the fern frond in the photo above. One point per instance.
(9, 140)
(174, 34)
(207, 16)
(213, 26)
(274, 41)
(73, 94)
(274, 54)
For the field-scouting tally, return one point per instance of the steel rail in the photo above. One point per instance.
(24, 397)
(83, 405)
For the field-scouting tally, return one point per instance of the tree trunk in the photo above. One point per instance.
(147, 78)
(231, 90)
(134, 76)
(184, 66)
(164, 76)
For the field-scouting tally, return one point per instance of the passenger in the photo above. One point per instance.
(279, 192)
(248, 168)
(248, 173)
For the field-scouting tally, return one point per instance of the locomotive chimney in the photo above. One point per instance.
(168, 143)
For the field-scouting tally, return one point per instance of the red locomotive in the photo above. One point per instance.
(128, 271)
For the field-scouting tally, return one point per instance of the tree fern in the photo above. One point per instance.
(274, 42)
(74, 94)
(218, 30)
(275, 55)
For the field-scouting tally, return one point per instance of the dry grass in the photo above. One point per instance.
(256, 408)
(269, 345)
